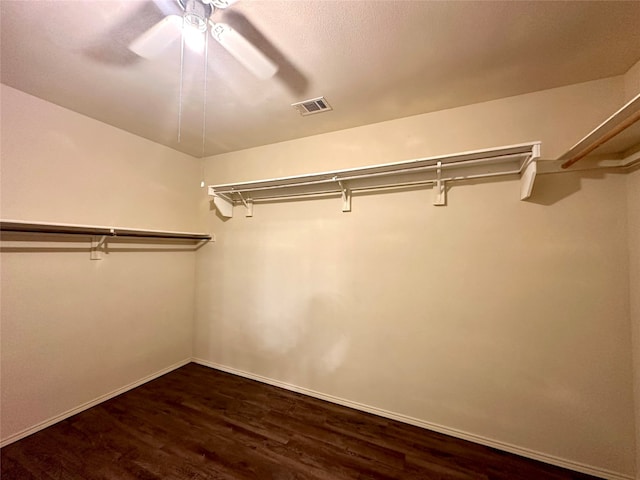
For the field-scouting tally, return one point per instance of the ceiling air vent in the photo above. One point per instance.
(314, 105)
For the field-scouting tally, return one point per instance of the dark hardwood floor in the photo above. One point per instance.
(197, 423)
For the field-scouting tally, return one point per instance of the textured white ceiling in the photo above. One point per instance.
(373, 60)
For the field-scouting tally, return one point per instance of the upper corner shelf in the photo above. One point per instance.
(615, 142)
(511, 160)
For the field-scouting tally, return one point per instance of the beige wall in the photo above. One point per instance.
(60, 166)
(75, 329)
(503, 319)
(631, 89)
(632, 82)
(633, 201)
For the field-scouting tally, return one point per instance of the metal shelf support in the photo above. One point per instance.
(98, 245)
(439, 192)
(346, 197)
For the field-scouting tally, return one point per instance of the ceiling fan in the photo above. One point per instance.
(194, 23)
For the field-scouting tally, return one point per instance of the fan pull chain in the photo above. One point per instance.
(204, 93)
(181, 80)
(204, 103)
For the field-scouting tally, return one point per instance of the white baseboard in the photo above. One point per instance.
(47, 423)
(524, 452)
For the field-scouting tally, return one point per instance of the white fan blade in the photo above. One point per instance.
(155, 40)
(249, 56)
(221, 3)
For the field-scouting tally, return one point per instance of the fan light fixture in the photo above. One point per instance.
(193, 38)
(196, 20)
(192, 27)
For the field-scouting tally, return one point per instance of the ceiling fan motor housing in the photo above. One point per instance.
(196, 13)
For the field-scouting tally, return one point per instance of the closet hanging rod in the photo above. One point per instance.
(19, 226)
(388, 186)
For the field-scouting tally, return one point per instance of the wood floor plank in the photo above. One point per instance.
(196, 423)
(318, 432)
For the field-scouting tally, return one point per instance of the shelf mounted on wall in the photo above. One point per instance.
(437, 171)
(613, 143)
(97, 234)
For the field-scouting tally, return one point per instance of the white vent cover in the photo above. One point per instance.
(312, 106)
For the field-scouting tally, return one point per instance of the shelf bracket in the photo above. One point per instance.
(439, 191)
(248, 203)
(97, 247)
(528, 175)
(346, 197)
(224, 205)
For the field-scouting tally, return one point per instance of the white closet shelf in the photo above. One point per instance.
(613, 143)
(20, 226)
(494, 162)
(96, 233)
